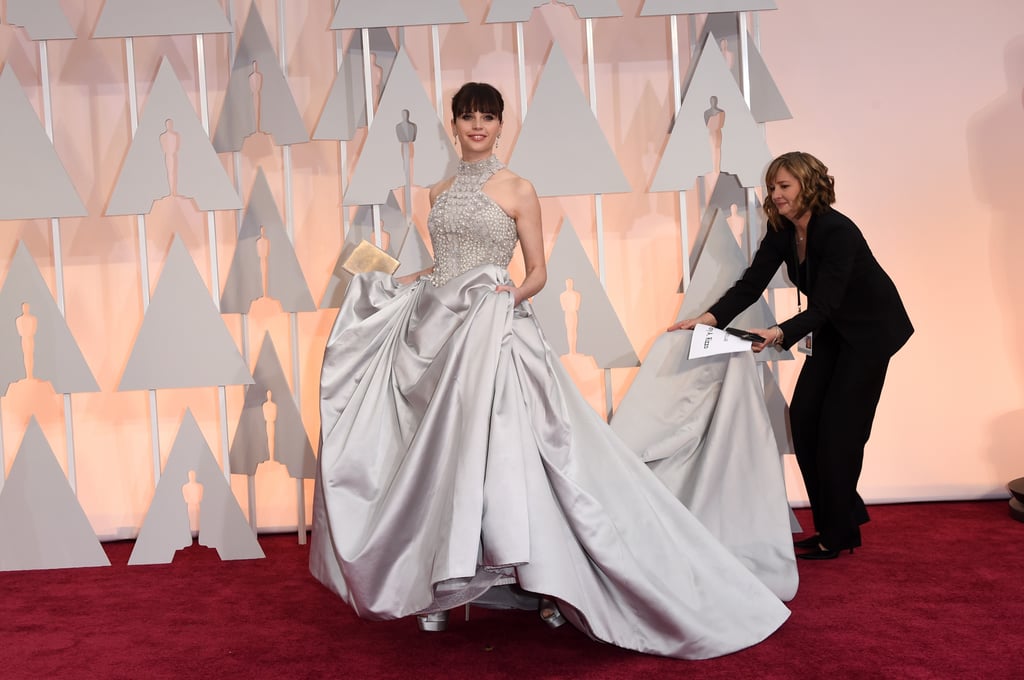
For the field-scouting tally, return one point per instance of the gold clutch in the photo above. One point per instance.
(369, 258)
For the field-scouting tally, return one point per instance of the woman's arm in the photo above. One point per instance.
(751, 285)
(526, 212)
(707, 318)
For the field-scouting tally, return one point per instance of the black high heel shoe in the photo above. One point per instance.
(809, 542)
(822, 553)
(549, 613)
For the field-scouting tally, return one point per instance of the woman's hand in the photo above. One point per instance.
(516, 299)
(772, 336)
(412, 278)
(707, 318)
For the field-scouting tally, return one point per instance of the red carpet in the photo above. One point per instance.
(936, 592)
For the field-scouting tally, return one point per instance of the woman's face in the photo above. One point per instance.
(476, 133)
(785, 193)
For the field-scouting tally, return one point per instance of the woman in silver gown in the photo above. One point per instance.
(457, 456)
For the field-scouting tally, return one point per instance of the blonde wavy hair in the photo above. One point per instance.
(817, 187)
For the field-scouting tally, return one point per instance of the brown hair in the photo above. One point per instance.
(817, 187)
(478, 97)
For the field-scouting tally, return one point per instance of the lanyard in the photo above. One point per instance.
(807, 264)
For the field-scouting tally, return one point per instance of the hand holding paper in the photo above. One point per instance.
(708, 341)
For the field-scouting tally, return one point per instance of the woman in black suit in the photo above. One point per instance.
(858, 322)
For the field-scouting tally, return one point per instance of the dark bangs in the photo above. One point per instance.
(474, 97)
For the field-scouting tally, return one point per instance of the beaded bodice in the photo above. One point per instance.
(467, 228)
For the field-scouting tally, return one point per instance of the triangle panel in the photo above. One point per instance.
(380, 168)
(42, 19)
(258, 98)
(33, 181)
(183, 341)
(559, 117)
(42, 525)
(667, 7)
(507, 11)
(191, 476)
(264, 253)
(387, 13)
(689, 153)
(171, 147)
(271, 418)
(36, 333)
(135, 18)
(574, 296)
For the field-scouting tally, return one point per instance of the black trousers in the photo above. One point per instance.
(831, 413)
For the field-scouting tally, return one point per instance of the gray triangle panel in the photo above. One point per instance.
(42, 19)
(250, 446)
(132, 18)
(183, 341)
(766, 102)
(33, 181)
(42, 525)
(278, 114)
(56, 356)
(688, 154)
(222, 525)
(244, 283)
(387, 13)
(559, 117)
(666, 7)
(600, 333)
(380, 168)
(507, 11)
(144, 176)
(345, 110)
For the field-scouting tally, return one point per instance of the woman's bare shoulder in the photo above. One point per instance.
(440, 188)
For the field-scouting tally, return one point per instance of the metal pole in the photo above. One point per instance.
(133, 111)
(289, 215)
(211, 231)
(684, 232)
(58, 262)
(598, 204)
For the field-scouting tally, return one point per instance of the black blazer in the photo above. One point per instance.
(845, 286)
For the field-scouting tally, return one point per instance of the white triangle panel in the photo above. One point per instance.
(161, 150)
(191, 474)
(258, 99)
(183, 341)
(133, 18)
(31, 322)
(507, 11)
(667, 7)
(33, 182)
(42, 19)
(264, 249)
(689, 152)
(559, 117)
(42, 525)
(386, 13)
(599, 331)
(380, 169)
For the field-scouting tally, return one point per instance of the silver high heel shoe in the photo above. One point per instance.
(434, 622)
(549, 613)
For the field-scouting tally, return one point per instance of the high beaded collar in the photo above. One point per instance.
(486, 167)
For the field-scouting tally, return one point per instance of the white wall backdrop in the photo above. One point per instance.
(918, 109)
(915, 106)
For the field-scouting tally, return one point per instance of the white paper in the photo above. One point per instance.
(708, 341)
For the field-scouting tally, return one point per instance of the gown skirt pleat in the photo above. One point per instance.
(456, 452)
